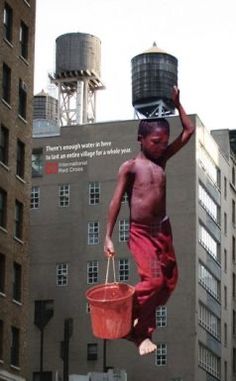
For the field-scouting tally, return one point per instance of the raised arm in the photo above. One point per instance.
(187, 124)
(114, 207)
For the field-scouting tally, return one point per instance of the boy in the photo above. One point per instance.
(150, 238)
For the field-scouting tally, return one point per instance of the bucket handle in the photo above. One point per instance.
(108, 266)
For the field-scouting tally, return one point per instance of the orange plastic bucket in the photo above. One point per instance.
(111, 309)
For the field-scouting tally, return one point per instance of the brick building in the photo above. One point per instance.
(17, 28)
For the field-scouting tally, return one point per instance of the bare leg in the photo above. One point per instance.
(146, 347)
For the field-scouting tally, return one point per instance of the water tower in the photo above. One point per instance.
(77, 76)
(154, 73)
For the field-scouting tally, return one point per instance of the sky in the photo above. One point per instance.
(201, 34)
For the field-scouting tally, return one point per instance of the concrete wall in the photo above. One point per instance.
(60, 235)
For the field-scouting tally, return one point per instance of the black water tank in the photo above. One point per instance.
(154, 73)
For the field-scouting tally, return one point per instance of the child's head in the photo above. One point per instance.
(153, 135)
(147, 126)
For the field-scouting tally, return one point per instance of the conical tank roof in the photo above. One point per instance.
(42, 93)
(154, 49)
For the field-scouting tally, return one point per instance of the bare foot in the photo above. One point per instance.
(146, 347)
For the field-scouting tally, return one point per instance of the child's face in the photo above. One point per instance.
(154, 144)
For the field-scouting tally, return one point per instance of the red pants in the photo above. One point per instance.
(153, 252)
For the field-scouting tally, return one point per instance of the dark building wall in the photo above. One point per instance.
(17, 187)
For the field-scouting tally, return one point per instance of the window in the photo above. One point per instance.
(226, 370)
(209, 321)
(225, 298)
(3, 208)
(209, 166)
(123, 230)
(161, 316)
(225, 188)
(234, 286)
(93, 233)
(62, 274)
(1, 339)
(24, 37)
(22, 99)
(225, 223)
(233, 250)
(64, 195)
(225, 335)
(15, 346)
(17, 281)
(234, 360)
(161, 355)
(92, 351)
(35, 198)
(225, 261)
(92, 272)
(208, 203)
(7, 22)
(18, 220)
(6, 83)
(123, 274)
(4, 144)
(125, 198)
(208, 242)
(233, 212)
(209, 282)
(233, 175)
(20, 159)
(94, 193)
(37, 162)
(2, 272)
(209, 361)
(45, 375)
(234, 322)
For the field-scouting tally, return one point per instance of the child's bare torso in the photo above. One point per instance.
(147, 191)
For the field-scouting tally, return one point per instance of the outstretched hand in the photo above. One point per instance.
(175, 96)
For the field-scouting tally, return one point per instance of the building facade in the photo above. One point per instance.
(17, 28)
(74, 175)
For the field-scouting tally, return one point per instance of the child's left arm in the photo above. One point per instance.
(187, 124)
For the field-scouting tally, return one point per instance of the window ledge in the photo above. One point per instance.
(4, 166)
(6, 103)
(24, 60)
(17, 302)
(20, 179)
(15, 367)
(8, 42)
(18, 240)
(23, 119)
(233, 186)
(3, 229)
(34, 208)
(27, 3)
